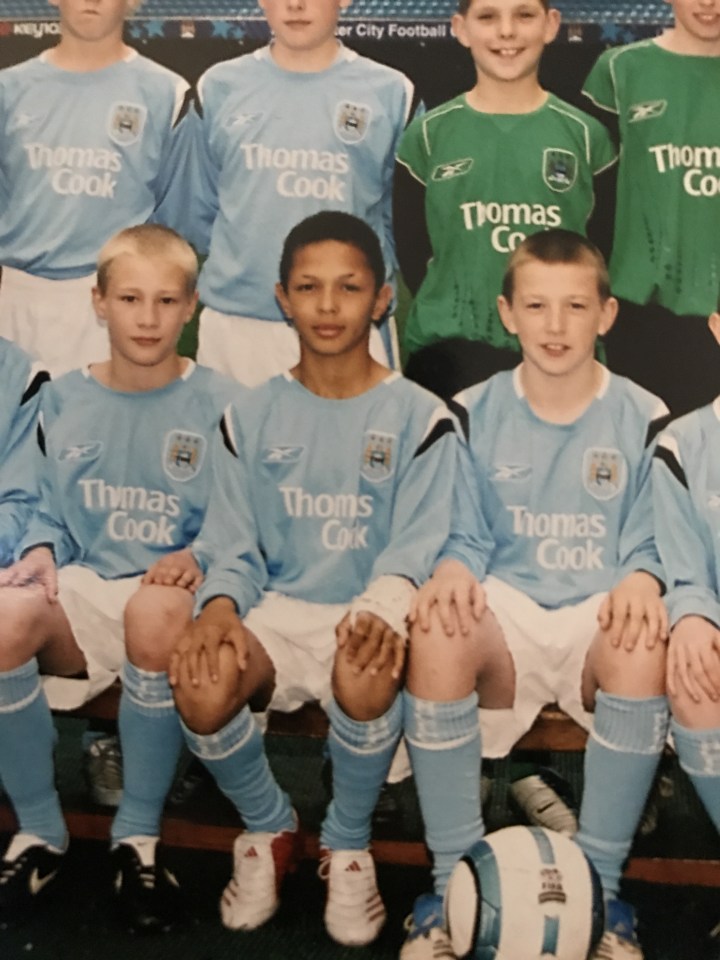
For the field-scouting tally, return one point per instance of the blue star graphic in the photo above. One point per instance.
(221, 28)
(156, 28)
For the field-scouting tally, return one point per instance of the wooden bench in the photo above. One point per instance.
(553, 730)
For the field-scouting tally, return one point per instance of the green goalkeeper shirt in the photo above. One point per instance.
(667, 228)
(490, 180)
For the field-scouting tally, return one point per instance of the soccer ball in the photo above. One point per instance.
(524, 893)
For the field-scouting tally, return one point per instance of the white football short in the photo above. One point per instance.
(549, 649)
(95, 610)
(53, 320)
(299, 638)
(252, 351)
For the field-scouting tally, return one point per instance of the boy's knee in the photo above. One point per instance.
(364, 696)
(155, 617)
(639, 672)
(207, 706)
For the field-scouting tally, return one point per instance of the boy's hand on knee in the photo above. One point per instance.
(37, 566)
(371, 644)
(694, 659)
(216, 625)
(177, 569)
(634, 609)
(452, 586)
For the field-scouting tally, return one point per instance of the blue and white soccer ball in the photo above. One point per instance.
(524, 893)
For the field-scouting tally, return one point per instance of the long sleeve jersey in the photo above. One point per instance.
(686, 491)
(568, 507)
(125, 477)
(315, 498)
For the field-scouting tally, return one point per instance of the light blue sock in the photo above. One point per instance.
(361, 754)
(624, 748)
(235, 756)
(443, 740)
(699, 755)
(27, 738)
(151, 739)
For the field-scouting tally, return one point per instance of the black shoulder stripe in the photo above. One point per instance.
(41, 377)
(185, 108)
(194, 98)
(655, 426)
(227, 438)
(461, 413)
(672, 463)
(40, 433)
(443, 426)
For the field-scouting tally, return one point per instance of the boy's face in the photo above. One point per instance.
(93, 20)
(331, 298)
(697, 19)
(557, 314)
(145, 306)
(303, 24)
(506, 37)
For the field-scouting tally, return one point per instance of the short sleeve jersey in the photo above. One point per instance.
(686, 490)
(125, 477)
(83, 155)
(569, 506)
(316, 497)
(667, 230)
(278, 146)
(490, 180)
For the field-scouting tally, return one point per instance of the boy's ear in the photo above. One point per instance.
(98, 302)
(283, 301)
(383, 300)
(714, 324)
(552, 25)
(506, 315)
(609, 315)
(457, 28)
(193, 306)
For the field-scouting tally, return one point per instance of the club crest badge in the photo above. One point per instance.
(183, 454)
(604, 472)
(352, 121)
(560, 169)
(126, 123)
(378, 459)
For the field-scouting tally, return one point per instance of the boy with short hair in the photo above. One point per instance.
(301, 125)
(105, 581)
(476, 175)
(93, 134)
(685, 490)
(665, 262)
(549, 588)
(331, 504)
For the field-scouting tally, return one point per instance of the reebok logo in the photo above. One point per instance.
(37, 883)
(647, 111)
(511, 471)
(446, 171)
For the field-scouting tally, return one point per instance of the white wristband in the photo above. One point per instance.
(389, 597)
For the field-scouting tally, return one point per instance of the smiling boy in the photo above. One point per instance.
(331, 503)
(93, 134)
(549, 588)
(299, 126)
(666, 251)
(105, 583)
(474, 177)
